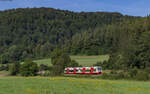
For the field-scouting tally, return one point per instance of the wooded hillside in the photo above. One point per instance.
(36, 32)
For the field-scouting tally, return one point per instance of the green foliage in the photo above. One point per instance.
(59, 57)
(130, 46)
(14, 68)
(147, 70)
(73, 63)
(36, 32)
(29, 68)
(60, 60)
(133, 72)
(114, 76)
(142, 76)
(5, 58)
(4, 67)
(57, 70)
(44, 67)
(103, 64)
(105, 76)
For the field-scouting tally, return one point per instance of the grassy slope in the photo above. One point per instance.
(83, 60)
(64, 85)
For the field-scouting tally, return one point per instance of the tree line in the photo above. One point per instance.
(60, 60)
(36, 32)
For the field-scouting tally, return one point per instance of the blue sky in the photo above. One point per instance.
(128, 7)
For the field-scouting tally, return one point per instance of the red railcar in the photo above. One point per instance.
(83, 70)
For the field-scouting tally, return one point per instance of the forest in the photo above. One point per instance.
(35, 33)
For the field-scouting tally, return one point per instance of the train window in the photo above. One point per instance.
(94, 69)
(70, 70)
(99, 69)
(65, 70)
(88, 70)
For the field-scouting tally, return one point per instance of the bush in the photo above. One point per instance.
(104, 64)
(147, 70)
(113, 75)
(44, 67)
(74, 63)
(113, 72)
(4, 67)
(142, 76)
(29, 68)
(14, 68)
(133, 72)
(60, 60)
(46, 73)
(57, 70)
(105, 76)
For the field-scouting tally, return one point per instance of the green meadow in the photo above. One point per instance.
(68, 85)
(82, 60)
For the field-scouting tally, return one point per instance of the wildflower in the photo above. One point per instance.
(30, 91)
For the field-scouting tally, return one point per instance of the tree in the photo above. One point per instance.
(60, 60)
(74, 63)
(29, 68)
(14, 68)
(43, 67)
(59, 57)
(33, 33)
(5, 58)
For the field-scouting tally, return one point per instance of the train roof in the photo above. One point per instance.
(83, 67)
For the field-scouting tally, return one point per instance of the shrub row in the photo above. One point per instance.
(132, 74)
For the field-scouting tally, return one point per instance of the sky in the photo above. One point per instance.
(126, 7)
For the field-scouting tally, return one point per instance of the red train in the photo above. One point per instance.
(83, 70)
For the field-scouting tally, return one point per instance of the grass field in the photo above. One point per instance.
(66, 85)
(83, 60)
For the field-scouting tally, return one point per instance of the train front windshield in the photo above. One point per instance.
(99, 69)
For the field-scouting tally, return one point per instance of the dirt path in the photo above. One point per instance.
(2, 74)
